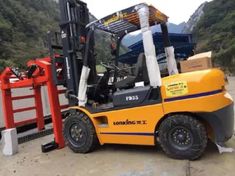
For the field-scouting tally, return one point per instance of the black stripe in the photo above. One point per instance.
(137, 134)
(193, 96)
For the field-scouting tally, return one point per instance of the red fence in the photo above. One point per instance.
(42, 76)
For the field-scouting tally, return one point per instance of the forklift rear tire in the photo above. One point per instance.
(79, 133)
(182, 137)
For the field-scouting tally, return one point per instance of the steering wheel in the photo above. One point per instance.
(111, 67)
(108, 66)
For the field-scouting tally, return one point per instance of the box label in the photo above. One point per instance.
(176, 89)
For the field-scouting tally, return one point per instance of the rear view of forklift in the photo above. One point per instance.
(180, 112)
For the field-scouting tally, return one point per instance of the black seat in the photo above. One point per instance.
(140, 74)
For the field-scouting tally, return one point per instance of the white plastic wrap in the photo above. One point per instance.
(82, 96)
(149, 48)
(171, 62)
(224, 149)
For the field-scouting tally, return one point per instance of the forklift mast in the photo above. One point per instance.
(77, 45)
(74, 16)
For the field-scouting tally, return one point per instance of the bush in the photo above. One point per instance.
(216, 31)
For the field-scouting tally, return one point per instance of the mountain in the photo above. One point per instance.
(172, 28)
(137, 36)
(176, 28)
(23, 28)
(216, 31)
(23, 31)
(193, 20)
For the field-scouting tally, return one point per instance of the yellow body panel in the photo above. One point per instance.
(205, 104)
(144, 117)
(198, 82)
(196, 92)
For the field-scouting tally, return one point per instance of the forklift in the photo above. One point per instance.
(179, 112)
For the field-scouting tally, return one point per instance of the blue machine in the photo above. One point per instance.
(182, 43)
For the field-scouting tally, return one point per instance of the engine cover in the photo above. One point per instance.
(131, 96)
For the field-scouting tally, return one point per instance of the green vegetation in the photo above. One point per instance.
(23, 28)
(216, 31)
(24, 25)
(23, 31)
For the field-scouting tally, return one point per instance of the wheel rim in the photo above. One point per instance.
(77, 134)
(180, 138)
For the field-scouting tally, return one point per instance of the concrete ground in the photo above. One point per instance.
(116, 160)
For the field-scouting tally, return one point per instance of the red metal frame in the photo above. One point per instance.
(41, 77)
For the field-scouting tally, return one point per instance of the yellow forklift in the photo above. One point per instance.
(179, 112)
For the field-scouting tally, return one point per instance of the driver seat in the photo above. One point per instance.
(140, 74)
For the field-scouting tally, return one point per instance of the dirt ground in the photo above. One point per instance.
(116, 160)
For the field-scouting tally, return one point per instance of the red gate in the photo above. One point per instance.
(41, 76)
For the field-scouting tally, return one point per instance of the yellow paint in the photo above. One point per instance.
(115, 18)
(197, 82)
(160, 16)
(151, 114)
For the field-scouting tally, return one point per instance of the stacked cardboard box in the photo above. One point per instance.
(200, 61)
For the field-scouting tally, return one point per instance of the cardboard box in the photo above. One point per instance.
(201, 55)
(200, 61)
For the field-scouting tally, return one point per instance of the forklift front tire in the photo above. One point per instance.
(183, 137)
(79, 133)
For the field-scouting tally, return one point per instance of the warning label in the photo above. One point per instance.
(176, 89)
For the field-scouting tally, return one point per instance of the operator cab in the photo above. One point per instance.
(121, 84)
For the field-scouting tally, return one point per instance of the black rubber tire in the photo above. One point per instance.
(89, 140)
(198, 137)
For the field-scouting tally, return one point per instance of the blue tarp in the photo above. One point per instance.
(182, 43)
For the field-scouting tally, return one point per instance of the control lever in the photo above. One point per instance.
(69, 95)
(31, 71)
(16, 72)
